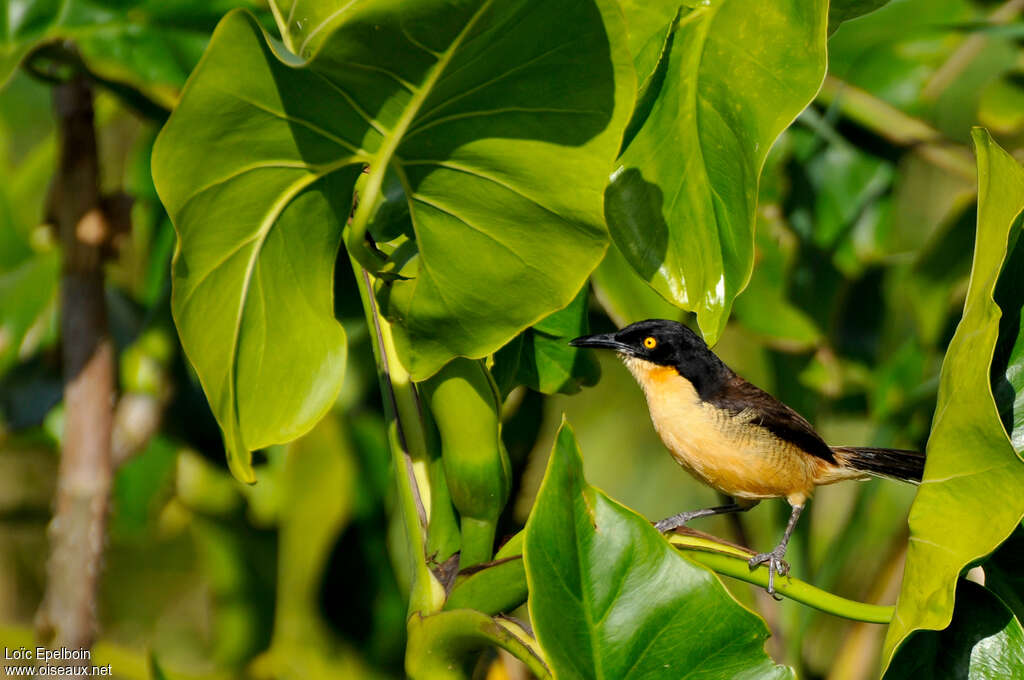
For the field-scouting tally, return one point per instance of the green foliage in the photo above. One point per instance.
(149, 45)
(541, 359)
(462, 154)
(844, 10)
(388, 108)
(948, 531)
(985, 642)
(466, 407)
(683, 195)
(609, 598)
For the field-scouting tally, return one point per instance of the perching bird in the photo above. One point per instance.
(732, 435)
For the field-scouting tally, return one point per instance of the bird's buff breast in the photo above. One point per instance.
(718, 447)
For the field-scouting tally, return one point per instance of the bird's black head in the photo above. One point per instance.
(665, 343)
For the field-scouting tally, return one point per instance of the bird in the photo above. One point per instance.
(735, 437)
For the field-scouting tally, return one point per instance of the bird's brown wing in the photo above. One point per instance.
(737, 395)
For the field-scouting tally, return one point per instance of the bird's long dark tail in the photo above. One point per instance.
(906, 466)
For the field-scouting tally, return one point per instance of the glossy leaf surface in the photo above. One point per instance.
(463, 109)
(610, 598)
(969, 500)
(683, 194)
(984, 642)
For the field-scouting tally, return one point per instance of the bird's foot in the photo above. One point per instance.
(776, 565)
(667, 524)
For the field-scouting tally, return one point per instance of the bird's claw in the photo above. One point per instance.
(665, 525)
(776, 565)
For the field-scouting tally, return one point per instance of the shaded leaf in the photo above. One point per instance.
(683, 195)
(969, 500)
(844, 10)
(540, 357)
(1004, 573)
(610, 598)
(985, 641)
(1008, 361)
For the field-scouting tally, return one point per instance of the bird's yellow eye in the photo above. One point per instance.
(650, 343)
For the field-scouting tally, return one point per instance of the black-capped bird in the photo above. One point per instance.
(734, 436)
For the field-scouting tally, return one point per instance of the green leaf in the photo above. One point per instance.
(969, 500)
(984, 642)
(844, 10)
(764, 306)
(683, 196)
(648, 26)
(1008, 361)
(442, 646)
(500, 243)
(625, 297)
(28, 307)
(540, 357)
(1004, 575)
(610, 598)
(872, 53)
(257, 237)
(149, 44)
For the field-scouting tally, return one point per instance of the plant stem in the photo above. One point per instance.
(732, 561)
(407, 441)
(440, 644)
(67, 616)
(891, 124)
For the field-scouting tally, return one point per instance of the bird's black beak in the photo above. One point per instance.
(602, 341)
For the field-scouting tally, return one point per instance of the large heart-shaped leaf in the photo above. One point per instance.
(468, 105)
(257, 234)
(610, 598)
(149, 44)
(501, 243)
(970, 499)
(683, 195)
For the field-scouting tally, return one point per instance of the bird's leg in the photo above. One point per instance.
(777, 565)
(676, 521)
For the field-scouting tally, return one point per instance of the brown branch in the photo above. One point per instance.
(67, 616)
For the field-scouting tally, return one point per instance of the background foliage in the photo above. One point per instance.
(486, 174)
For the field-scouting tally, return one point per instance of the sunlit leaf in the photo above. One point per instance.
(610, 598)
(682, 199)
(969, 500)
(257, 237)
(466, 107)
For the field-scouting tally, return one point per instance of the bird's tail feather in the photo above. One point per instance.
(906, 466)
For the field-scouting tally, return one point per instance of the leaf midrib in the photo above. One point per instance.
(276, 208)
